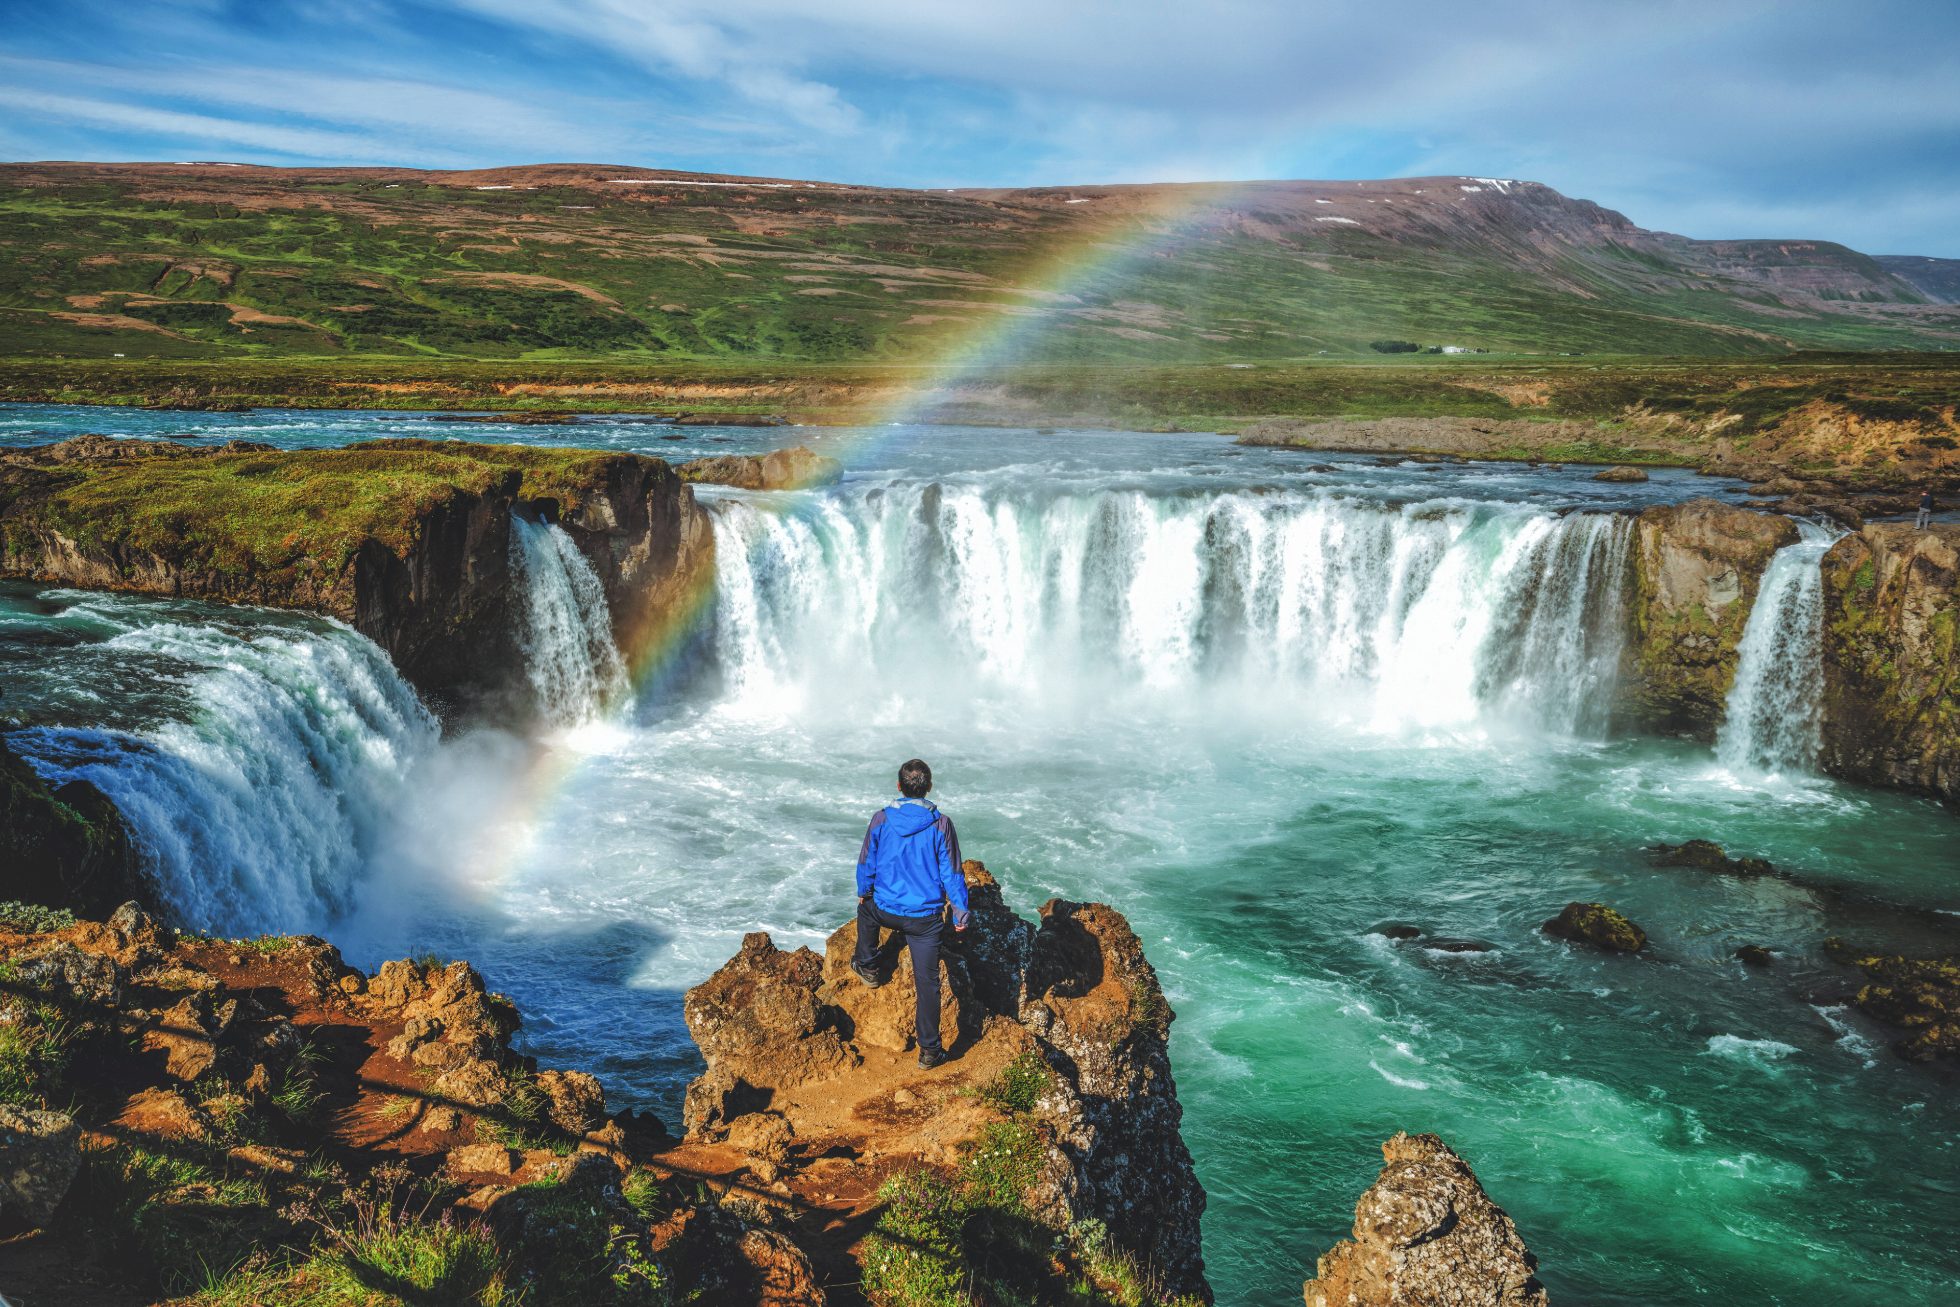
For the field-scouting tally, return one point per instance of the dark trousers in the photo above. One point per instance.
(922, 936)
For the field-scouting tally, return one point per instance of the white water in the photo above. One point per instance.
(1775, 714)
(1437, 616)
(565, 627)
(258, 810)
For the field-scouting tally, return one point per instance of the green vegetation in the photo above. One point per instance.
(100, 261)
(970, 1239)
(33, 918)
(181, 1216)
(271, 514)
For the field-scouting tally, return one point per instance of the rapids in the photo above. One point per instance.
(1263, 702)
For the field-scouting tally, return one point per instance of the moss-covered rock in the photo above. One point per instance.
(63, 846)
(1892, 657)
(1920, 996)
(1695, 571)
(1598, 925)
(409, 541)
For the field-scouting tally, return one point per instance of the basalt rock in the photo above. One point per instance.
(1892, 658)
(781, 469)
(1696, 568)
(1598, 925)
(1427, 1235)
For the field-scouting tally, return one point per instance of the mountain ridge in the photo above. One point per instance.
(596, 260)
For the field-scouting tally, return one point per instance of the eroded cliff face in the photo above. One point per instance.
(1696, 569)
(1892, 658)
(61, 845)
(1427, 1233)
(409, 541)
(1056, 1124)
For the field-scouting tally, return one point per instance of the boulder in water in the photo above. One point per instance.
(1617, 474)
(1598, 925)
(1920, 996)
(1754, 955)
(1706, 855)
(1396, 930)
(1427, 1233)
(782, 469)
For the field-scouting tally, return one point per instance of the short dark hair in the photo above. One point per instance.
(915, 779)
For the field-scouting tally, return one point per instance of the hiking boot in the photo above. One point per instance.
(931, 1057)
(871, 979)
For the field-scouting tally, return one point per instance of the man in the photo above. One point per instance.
(907, 871)
(1925, 508)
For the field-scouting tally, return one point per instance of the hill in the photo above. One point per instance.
(589, 261)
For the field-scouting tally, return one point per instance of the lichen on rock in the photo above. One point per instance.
(1598, 925)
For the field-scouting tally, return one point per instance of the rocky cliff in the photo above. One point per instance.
(409, 541)
(1892, 657)
(1695, 570)
(1055, 1127)
(780, 469)
(1427, 1235)
(64, 844)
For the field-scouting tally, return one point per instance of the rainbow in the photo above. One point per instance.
(1154, 222)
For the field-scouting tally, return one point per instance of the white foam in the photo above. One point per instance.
(1763, 1053)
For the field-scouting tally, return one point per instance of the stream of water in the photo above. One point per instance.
(1262, 702)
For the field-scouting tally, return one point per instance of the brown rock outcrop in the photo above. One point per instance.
(781, 469)
(798, 1049)
(1892, 657)
(1427, 1235)
(1695, 571)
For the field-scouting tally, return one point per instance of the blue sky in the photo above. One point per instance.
(1836, 120)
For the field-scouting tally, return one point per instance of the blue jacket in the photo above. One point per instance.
(910, 863)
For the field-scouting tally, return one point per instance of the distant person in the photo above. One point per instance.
(907, 873)
(1925, 508)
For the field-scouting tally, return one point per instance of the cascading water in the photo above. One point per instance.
(1420, 616)
(1774, 718)
(565, 629)
(258, 807)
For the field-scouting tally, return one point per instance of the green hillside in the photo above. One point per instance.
(573, 262)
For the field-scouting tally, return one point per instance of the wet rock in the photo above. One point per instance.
(39, 1155)
(1754, 955)
(575, 1101)
(1598, 925)
(1396, 930)
(1427, 1234)
(1891, 660)
(1706, 855)
(1696, 567)
(782, 469)
(1620, 474)
(64, 845)
(1920, 996)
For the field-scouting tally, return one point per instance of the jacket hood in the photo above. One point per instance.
(910, 816)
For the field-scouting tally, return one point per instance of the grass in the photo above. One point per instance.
(37, 1044)
(176, 1218)
(1019, 1085)
(294, 514)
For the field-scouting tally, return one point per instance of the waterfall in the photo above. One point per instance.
(1774, 717)
(1431, 615)
(257, 809)
(565, 627)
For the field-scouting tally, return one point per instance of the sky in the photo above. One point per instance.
(1826, 119)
